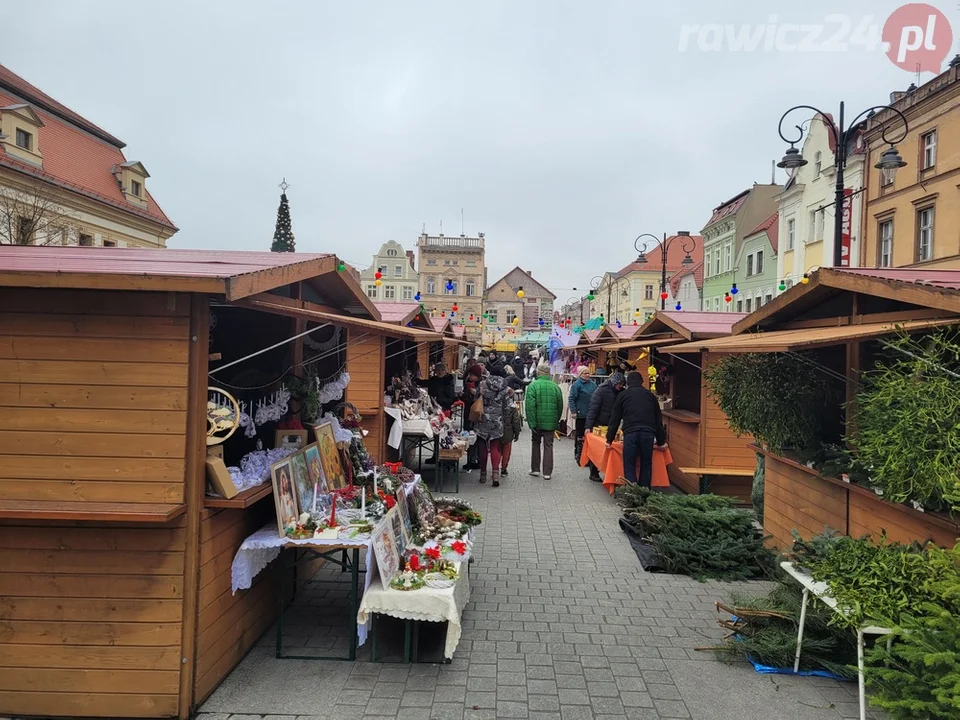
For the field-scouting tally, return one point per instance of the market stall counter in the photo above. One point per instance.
(609, 461)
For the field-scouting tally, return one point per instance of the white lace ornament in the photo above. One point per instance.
(273, 409)
(334, 389)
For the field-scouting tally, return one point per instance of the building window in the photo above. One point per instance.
(716, 304)
(817, 164)
(24, 231)
(446, 262)
(925, 234)
(135, 188)
(109, 243)
(511, 316)
(716, 265)
(749, 304)
(389, 292)
(24, 140)
(929, 150)
(372, 291)
(727, 257)
(382, 269)
(492, 317)
(432, 261)
(818, 227)
(885, 244)
(648, 292)
(758, 265)
(739, 305)
(398, 270)
(408, 293)
(391, 253)
(791, 233)
(471, 289)
(767, 298)
(454, 262)
(749, 265)
(789, 284)
(431, 286)
(86, 240)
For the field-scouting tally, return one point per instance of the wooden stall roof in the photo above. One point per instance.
(401, 313)
(655, 341)
(929, 289)
(374, 326)
(232, 273)
(804, 338)
(618, 334)
(691, 325)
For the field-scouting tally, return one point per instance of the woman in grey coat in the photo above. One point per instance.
(489, 428)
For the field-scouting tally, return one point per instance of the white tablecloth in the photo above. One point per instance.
(396, 430)
(424, 604)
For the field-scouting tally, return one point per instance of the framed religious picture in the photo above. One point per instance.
(311, 453)
(385, 549)
(403, 506)
(284, 494)
(398, 531)
(293, 439)
(330, 458)
(301, 481)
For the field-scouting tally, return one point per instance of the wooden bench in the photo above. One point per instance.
(706, 473)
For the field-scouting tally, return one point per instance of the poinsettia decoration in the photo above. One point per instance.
(433, 553)
(459, 547)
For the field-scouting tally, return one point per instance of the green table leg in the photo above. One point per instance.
(416, 641)
(407, 637)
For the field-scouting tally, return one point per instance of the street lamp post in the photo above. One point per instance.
(664, 244)
(890, 161)
(579, 302)
(612, 286)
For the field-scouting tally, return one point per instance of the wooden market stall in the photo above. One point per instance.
(115, 589)
(707, 455)
(840, 315)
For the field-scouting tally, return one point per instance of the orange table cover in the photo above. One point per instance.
(609, 462)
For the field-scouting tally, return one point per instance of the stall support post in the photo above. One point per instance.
(803, 620)
(354, 600)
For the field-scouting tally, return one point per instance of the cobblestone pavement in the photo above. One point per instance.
(562, 624)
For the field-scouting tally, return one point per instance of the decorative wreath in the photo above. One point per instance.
(223, 418)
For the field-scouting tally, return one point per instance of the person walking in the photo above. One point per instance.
(512, 426)
(544, 406)
(581, 392)
(489, 429)
(513, 382)
(639, 411)
(471, 389)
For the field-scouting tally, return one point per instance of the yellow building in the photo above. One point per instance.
(65, 181)
(453, 273)
(914, 221)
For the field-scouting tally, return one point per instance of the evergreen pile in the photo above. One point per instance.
(283, 240)
(703, 536)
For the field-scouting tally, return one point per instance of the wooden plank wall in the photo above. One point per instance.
(229, 625)
(365, 363)
(684, 441)
(795, 499)
(93, 401)
(869, 515)
(423, 358)
(721, 446)
(90, 620)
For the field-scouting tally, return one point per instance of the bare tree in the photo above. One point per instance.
(34, 215)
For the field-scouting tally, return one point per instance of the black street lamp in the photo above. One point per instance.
(890, 161)
(612, 285)
(641, 248)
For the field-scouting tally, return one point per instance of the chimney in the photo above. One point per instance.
(411, 257)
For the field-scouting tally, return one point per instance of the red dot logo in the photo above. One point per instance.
(918, 37)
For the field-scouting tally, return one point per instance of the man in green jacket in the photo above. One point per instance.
(544, 406)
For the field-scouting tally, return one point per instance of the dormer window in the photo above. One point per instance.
(130, 179)
(135, 188)
(19, 133)
(24, 139)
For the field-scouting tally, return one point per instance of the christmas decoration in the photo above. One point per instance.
(678, 307)
(782, 286)
(734, 290)
(417, 297)
(378, 275)
(283, 240)
(727, 298)
(341, 267)
(805, 279)
(520, 293)
(664, 295)
(455, 307)
(449, 285)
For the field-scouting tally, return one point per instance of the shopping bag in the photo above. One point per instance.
(476, 410)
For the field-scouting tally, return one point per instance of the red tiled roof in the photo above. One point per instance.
(945, 279)
(77, 155)
(696, 270)
(729, 207)
(396, 311)
(771, 226)
(675, 256)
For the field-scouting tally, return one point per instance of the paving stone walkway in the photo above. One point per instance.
(563, 624)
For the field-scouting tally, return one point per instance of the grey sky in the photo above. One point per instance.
(564, 129)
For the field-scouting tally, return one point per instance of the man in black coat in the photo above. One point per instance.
(495, 364)
(601, 404)
(639, 411)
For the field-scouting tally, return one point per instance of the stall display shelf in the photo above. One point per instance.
(242, 500)
(52, 510)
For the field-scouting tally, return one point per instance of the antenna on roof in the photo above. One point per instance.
(461, 222)
(441, 227)
(773, 172)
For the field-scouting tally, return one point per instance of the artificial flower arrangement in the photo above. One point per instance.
(458, 510)
(428, 569)
(304, 527)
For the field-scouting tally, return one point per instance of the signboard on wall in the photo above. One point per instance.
(846, 228)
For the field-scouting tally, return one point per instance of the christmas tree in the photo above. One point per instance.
(283, 240)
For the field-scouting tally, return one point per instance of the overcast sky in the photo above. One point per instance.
(563, 129)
